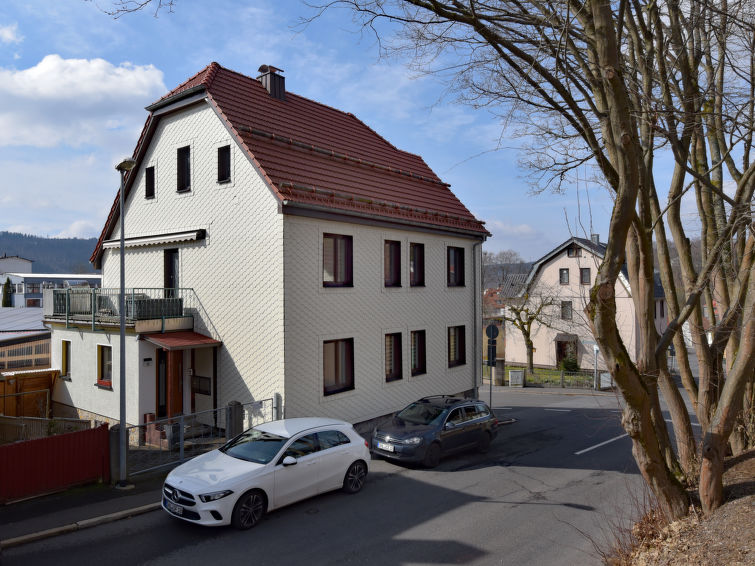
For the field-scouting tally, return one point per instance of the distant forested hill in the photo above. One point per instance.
(50, 255)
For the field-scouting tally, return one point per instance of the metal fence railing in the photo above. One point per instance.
(16, 429)
(166, 442)
(102, 305)
(542, 377)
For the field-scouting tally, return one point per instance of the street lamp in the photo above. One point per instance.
(124, 166)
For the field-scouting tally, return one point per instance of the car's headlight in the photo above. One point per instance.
(413, 440)
(214, 496)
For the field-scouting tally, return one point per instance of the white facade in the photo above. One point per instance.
(257, 278)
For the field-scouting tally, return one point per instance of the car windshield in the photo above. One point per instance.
(422, 414)
(254, 446)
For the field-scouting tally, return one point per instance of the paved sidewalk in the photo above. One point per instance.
(26, 521)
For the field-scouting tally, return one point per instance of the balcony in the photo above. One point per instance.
(146, 309)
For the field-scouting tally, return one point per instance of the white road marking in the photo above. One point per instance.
(560, 410)
(601, 444)
(670, 421)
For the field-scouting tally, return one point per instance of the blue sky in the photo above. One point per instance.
(74, 83)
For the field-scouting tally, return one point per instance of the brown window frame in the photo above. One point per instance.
(455, 266)
(582, 279)
(418, 352)
(343, 365)
(394, 362)
(342, 260)
(416, 264)
(149, 182)
(224, 164)
(457, 346)
(102, 381)
(65, 359)
(183, 169)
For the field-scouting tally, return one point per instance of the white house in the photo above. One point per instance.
(275, 246)
(563, 278)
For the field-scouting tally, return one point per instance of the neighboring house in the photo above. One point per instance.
(14, 264)
(27, 288)
(563, 278)
(24, 339)
(274, 247)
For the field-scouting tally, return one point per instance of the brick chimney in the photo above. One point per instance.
(273, 82)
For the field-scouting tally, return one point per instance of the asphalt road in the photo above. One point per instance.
(544, 493)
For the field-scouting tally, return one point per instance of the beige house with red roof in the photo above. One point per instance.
(274, 247)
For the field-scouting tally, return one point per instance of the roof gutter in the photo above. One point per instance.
(324, 211)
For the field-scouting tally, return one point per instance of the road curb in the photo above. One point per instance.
(78, 525)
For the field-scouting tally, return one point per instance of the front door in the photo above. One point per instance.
(169, 383)
(162, 383)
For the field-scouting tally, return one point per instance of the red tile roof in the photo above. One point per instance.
(312, 154)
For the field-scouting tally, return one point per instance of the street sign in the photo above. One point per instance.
(491, 331)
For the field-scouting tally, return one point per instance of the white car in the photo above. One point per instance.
(266, 467)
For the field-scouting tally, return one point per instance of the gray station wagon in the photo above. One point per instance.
(434, 427)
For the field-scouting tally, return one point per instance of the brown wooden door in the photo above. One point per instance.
(175, 382)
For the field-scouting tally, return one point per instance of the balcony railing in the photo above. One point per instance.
(102, 305)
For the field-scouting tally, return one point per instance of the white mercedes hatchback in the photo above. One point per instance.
(266, 467)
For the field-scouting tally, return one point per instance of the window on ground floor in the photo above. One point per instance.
(65, 358)
(104, 365)
(456, 346)
(393, 357)
(419, 362)
(338, 365)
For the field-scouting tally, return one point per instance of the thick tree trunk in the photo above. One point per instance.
(729, 407)
(530, 347)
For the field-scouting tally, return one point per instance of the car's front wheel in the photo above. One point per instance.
(432, 456)
(249, 509)
(355, 477)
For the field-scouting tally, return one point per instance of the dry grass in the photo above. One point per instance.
(727, 536)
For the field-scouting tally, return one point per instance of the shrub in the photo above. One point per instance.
(569, 364)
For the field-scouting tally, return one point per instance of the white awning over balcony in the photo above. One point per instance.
(158, 239)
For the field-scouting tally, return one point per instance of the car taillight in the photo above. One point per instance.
(366, 444)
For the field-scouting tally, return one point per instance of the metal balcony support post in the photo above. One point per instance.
(68, 303)
(94, 306)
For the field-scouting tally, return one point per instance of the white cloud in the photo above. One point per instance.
(72, 102)
(9, 34)
(80, 229)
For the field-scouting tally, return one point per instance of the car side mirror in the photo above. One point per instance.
(450, 425)
(289, 461)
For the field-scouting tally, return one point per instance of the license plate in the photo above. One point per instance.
(173, 508)
(385, 446)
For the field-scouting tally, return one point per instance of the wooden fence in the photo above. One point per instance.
(46, 465)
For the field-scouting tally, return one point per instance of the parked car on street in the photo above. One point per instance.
(434, 427)
(266, 467)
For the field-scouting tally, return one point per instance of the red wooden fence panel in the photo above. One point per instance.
(50, 464)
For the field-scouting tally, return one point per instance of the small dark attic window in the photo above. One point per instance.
(224, 164)
(183, 168)
(149, 182)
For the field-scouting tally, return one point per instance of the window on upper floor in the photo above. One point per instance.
(338, 366)
(457, 350)
(419, 362)
(566, 310)
(183, 169)
(393, 361)
(455, 266)
(104, 365)
(574, 251)
(563, 276)
(224, 164)
(149, 182)
(337, 262)
(584, 275)
(392, 263)
(661, 309)
(416, 265)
